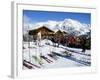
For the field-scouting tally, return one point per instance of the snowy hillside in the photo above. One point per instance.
(59, 58)
(68, 25)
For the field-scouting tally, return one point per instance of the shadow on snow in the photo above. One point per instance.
(73, 59)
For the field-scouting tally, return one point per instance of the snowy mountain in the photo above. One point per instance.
(75, 27)
(68, 25)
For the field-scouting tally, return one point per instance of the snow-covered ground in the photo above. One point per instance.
(46, 47)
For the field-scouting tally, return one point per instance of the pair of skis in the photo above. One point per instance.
(53, 56)
(27, 65)
(46, 59)
(30, 65)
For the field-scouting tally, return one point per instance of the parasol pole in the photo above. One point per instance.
(29, 45)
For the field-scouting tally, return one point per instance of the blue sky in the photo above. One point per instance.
(43, 16)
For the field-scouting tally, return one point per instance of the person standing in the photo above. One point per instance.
(83, 43)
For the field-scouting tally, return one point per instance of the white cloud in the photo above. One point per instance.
(26, 19)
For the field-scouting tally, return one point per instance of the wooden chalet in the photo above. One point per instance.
(45, 32)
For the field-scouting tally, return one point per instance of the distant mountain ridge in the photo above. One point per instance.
(68, 25)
